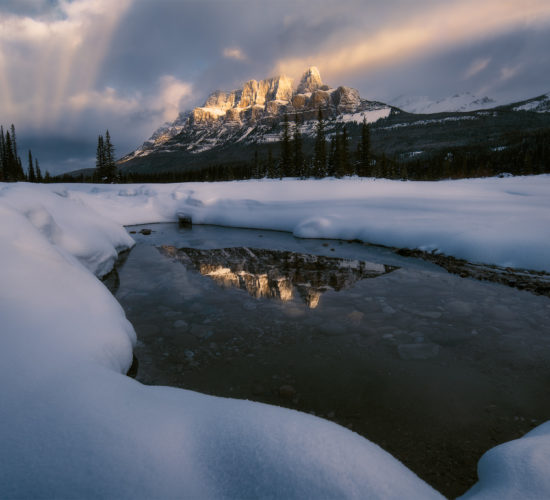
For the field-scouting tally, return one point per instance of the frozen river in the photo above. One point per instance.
(434, 368)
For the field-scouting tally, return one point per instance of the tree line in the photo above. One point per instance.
(337, 155)
(11, 167)
(331, 158)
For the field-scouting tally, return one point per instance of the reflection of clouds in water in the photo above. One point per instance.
(277, 274)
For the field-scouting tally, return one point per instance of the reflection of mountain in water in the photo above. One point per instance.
(276, 274)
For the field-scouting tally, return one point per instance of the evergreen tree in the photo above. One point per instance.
(13, 140)
(47, 177)
(332, 157)
(364, 168)
(298, 159)
(344, 153)
(320, 156)
(286, 150)
(20, 173)
(258, 170)
(271, 170)
(2, 154)
(31, 174)
(10, 161)
(110, 165)
(100, 159)
(37, 171)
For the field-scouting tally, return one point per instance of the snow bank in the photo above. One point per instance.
(72, 426)
(517, 469)
(501, 221)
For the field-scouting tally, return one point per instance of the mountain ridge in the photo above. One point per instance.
(261, 104)
(232, 126)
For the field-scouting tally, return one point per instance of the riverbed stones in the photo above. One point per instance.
(287, 391)
(185, 220)
(180, 324)
(418, 351)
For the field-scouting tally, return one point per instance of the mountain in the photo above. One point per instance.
(252, 115)
(540, 104)
(456, 103)
(233, 127)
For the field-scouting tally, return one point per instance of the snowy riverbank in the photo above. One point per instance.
(73, 426)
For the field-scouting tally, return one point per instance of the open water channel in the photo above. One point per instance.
(434, 368)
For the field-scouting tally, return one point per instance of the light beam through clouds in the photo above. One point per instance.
(51, 60)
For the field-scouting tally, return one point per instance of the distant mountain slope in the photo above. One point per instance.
(540, 104)
(457, 103)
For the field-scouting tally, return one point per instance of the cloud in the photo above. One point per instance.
(429, 32)
(476, 67)
(234, 53)
(508, 72)
(46, 59)
(173, 94)
(105, 100)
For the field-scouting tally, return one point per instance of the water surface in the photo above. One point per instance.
(434, 368)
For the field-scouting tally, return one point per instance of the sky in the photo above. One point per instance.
(71, 69)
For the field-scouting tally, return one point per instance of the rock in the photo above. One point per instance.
(356, 317)
(346, 99)
(181, 324)
(458, 307)
(287, 391)
(332, 329)
(320, 98)
(418, 351)
(201, 331)
(146, 232)
(299, 101)
(133, 370)
(148, 330)
(257, 389)
(310, 81)
(185, 220)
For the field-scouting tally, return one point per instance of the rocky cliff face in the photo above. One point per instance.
(274, 97)
(248, 114)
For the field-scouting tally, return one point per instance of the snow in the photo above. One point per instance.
(538, 105)
(371, 116)
(73, 426)
(214, 111)
(432, 121)
(500, 221)
(457, 103)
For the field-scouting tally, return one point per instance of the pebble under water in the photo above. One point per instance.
(434, 368)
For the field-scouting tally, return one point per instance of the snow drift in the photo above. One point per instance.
(72, 425)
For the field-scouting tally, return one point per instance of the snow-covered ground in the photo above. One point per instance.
(73, 426)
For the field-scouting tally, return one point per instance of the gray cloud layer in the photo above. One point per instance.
(75, 68)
